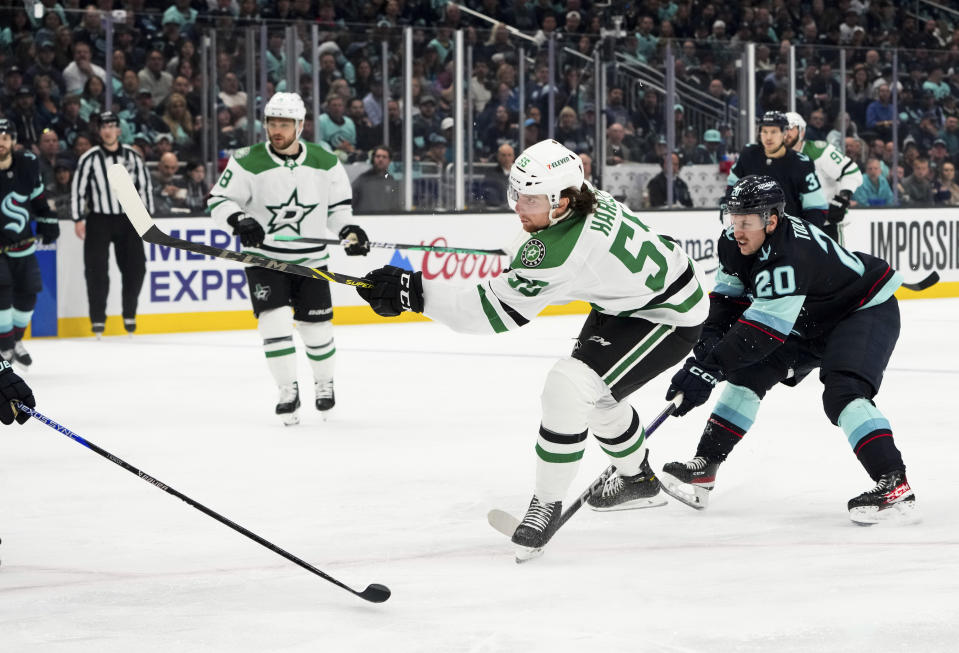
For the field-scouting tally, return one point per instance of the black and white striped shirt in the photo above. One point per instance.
(91, 193)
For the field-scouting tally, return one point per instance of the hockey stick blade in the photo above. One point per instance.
(919, 286)
(374, 593)
(420, 248)
(137, 213)
(506, 523)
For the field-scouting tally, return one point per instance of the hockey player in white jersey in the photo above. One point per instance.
(647, 311)
(289, 187)
(838, 175)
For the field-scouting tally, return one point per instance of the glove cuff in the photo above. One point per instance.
(411, 291)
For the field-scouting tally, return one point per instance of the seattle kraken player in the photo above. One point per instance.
(788, 300)
(21, 198)
(794, 171)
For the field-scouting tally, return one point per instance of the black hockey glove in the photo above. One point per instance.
(838, 206)
(13, 388)
(696, 381)
(248, 229)
(359, 241)
(394, 290)
(48, 232)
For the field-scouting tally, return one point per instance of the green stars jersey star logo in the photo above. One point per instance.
(289, 215)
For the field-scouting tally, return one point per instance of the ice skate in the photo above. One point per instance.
(325, 396)
(288, 405)
(21, 356)
(536, 529)
(98, 328)
(891, 501)
(629, 492)
(130, 324)
(690, 482)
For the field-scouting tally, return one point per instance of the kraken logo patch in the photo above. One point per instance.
(533, 252)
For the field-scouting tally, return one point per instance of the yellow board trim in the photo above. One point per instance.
(79, 327)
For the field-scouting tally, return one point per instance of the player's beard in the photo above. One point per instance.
(789, 142)
(282, 145)
(5, 155)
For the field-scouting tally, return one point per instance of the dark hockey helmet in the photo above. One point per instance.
(7, 127)
(756, 195)
(774, 119)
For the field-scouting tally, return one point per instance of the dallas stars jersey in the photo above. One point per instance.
(835, 170)
(302, 196)
(794, 172)
(800, 283)
(21, 198)
(608, 258)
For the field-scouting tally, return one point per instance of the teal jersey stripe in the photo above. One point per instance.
(491, 314)
(729, 285)
(885, 293)
(861, 418)
(779, 314)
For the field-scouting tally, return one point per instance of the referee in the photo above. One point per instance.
(99, 221)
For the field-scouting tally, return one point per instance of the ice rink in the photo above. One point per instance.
(431, 430)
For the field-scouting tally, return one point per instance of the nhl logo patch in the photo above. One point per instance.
(533, 252)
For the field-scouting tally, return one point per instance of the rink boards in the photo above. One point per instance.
(189, 292)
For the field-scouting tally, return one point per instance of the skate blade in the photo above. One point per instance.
(644, 502)
(324, 414)
(692, 495)
(526, 553)
(903, 514)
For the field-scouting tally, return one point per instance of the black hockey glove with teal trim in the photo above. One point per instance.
(394, 290)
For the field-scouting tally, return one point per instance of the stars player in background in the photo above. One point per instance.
(648, 308)
(288, 187)
(837, 173)
(794, 171)
(21, 199)
(787, 300)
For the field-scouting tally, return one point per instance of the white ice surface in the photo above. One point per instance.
(431, 430)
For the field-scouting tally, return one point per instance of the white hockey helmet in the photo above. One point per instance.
(546, 168)
(793, 119)
(286, 105)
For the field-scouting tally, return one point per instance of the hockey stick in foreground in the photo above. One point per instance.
(374, 593)
(506, 523)
(137, 213)
(928, 282)
(420, 248)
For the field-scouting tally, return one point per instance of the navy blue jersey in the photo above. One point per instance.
(795, 172)
(800, 284)
(21, 199)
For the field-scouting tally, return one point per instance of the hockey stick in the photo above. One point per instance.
(506, 523)
(421, 248)
(374, 593)
(928, 282)
(130, 200)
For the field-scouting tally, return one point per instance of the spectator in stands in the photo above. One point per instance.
(12, 81)
(81, 143)
(875, 190)
(376, 190)
(500, 132)
(616, 111)
(92, 99)
(648, 123)
(688, 145)
(858, 94)
(571, 93)
(568, 132)
(169, 191)
(367, 136)
(337, 129)
(950, 136)
(917, 187)
(928, 131)
(231, 96)
(180, 122)
(90, 31)
(587, 161)
(68, 122)
(539, 89)
(616, 150)
(154, 78)
(937, 157)
(228, 136)
(879, 113)
(144, 120)
(935, 84)
(945, 190)
(373, 101)
(711, 150)
(82, 68)
(658, 186)
(162, 144)
(196, 188)
(48, 154)
(180, 13)
(816, 128)
(495, 180)
(646, 41)
(59, 192)
(45, 65)
(24, 117)
(425, 124)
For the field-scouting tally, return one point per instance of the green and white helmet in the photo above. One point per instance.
(286, 105)
(793, 119)
(546, 168)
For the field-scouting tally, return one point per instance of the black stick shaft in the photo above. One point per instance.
(598, 483)
(421, 248)
(374, 593)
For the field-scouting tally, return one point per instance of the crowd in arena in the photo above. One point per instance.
(53, 64)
